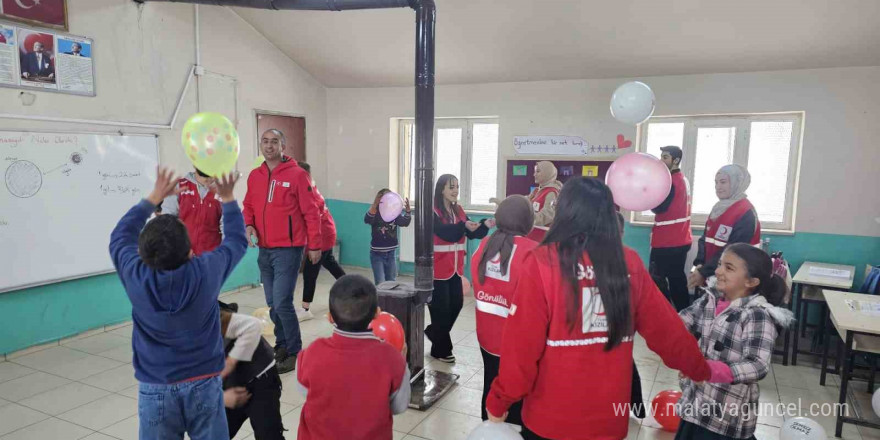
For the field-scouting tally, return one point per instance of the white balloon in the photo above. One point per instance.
(875, 402)
(802, 428)
(493, 431)
(632, 103)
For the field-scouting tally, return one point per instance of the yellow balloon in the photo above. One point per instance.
(211, 143)
(258, 161)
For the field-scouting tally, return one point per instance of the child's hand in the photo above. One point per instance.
(696, 279)
(225, 185)
(494, 419)
(471, 226)
(229, 368)
(166, 185)
(236, 397)
(406, 205)
(490, 223)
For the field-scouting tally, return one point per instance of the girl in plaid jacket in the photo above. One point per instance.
(736, 323)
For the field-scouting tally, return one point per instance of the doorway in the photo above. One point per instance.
(293, 127)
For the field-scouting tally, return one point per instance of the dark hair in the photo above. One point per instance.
(673, 151)
(438, 195)
(760, 266)
(353, 302)
(164, 243)
(586, 221)
(305, 166)
(201, 173)
(621, 222)
(514, 216)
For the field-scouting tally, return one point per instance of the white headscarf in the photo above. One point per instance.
(739, 182)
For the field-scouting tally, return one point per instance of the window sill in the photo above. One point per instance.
(642, 224)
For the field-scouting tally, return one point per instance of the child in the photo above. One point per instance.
(383, 257)
(353, 382)
(452, 228)
(252, 387)
(178, 349)
(736, 323)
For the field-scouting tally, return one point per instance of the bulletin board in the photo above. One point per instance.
(520, 172)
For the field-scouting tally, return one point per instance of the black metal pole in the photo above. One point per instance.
(424, 233)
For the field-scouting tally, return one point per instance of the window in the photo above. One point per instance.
(465, 148)
(767, 144)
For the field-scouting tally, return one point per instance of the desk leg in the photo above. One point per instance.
(796, 298)
(844, 379)
(825, 351)
(786, 339)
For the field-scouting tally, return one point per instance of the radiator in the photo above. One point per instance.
(407, 238)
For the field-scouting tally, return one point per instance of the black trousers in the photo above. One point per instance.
(264, 409)
(310, 273)
(444, 307)
(529, 435)
(635, 397)
(490, 372)
(666, 266)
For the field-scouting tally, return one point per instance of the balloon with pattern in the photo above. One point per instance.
(211, 143)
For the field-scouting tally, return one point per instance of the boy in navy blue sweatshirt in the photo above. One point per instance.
(176, 340)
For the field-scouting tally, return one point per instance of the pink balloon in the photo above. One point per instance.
(390, 206)
(638, 181)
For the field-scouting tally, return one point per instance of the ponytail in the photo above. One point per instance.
(759, 265)
(775, 290)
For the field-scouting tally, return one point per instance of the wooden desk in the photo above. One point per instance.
(804, 277)
(860, 331)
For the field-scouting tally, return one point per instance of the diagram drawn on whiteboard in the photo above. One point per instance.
(23, 179)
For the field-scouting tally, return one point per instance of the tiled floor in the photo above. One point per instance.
(85, 388)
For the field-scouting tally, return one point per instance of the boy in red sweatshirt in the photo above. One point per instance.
(353, 382)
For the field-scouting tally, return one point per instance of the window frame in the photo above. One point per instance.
(742, 124)
(406, 137)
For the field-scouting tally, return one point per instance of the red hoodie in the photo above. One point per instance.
(569, 383)
(328, 225)
(281, 205)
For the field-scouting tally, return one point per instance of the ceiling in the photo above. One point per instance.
(483, 41)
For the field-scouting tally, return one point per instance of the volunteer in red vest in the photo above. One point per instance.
(495, 272)
(281, 214)
(199, 208)
(311, 270)
(568, 341)
(543, 199)
(452, 228)
(733, 220)
(671, 237)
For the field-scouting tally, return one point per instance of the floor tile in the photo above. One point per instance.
(409, 419)
(121, 354)
(50, 358)
(446, 425)
(126, 429)
(99, 436)
(83, 368)
(114, 380)
(14, 417)
(11, 370)
(464, 400)
(30, 385)
(64, 398)
(52, 428)
(102, 413)
(99, 343)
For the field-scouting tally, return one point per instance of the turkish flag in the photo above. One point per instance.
(44, 11)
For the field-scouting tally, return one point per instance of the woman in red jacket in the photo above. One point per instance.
(568, 342)
(495, 272)
(452, 228)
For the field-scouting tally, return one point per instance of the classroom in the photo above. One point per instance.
(705, 127)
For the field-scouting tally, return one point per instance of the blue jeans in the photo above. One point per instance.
(384, 266)
(196, 408)
(279, 268)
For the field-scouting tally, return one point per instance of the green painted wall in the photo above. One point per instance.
(48, 313)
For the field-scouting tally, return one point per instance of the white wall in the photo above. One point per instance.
(142, 56)
(839, 159)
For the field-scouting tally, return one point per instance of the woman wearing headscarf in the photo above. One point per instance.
(733, 220)
(543, 198)
(495, 275)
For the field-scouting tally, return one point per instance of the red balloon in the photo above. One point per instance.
(387, 328)
(663, 409)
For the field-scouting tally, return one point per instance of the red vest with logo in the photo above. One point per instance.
(673, 227)
(718, 231)
(328, 225)
(449, 257)
(201, 216)
(495, 295)
(538, 232)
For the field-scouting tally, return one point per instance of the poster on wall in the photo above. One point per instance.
(39, 59)
(43, 13)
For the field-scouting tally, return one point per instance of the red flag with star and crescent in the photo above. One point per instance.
(44, 11)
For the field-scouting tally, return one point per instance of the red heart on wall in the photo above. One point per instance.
(622, 142)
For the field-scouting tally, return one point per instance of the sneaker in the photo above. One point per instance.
(303, 314)
(286, 365)
(280, 353)
(446, 359)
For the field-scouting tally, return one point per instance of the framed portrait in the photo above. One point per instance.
(44, 13)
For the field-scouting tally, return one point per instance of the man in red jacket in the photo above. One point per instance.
(671, 236)
(281, 214)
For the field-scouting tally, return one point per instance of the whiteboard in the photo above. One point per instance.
(63, 194)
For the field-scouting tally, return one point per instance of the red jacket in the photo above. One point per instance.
(569, 383)
(201, 216)
(449, 256)
(495, 295)
(328, 225)
(282, 206)
(538, 232)
(719, 230)
(351, 379)
(672, 227)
